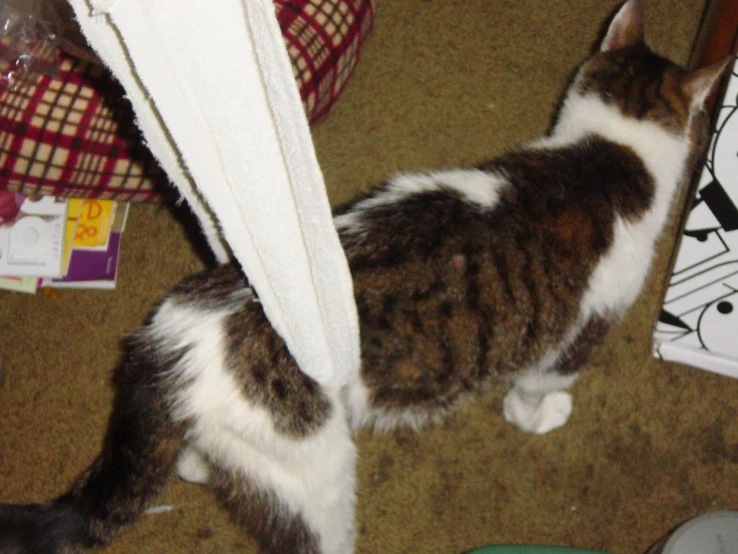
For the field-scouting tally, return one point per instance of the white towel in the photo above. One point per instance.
(214, 94)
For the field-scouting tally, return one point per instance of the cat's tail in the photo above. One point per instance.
(139, 454)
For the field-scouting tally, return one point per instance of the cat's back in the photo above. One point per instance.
(462, 277)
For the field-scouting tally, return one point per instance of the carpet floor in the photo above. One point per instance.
(442, 83)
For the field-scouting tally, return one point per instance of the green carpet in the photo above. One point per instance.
(442, 83)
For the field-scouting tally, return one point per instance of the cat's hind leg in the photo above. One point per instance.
(294, 492)
(278, 445)
(193, 466)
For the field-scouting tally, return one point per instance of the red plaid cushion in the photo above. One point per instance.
(324, 41)
(73, 135)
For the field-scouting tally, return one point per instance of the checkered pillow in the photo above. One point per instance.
(74, 135)
(324, 40)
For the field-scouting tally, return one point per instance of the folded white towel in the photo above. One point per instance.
(215, 97)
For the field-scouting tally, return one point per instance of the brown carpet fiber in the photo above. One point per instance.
(442, 83)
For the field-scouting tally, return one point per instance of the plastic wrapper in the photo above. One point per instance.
(32, 33)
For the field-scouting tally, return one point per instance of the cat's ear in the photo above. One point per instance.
(626, 28)
(698, 84)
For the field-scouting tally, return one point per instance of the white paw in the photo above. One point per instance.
(552, 411)
(193, 467)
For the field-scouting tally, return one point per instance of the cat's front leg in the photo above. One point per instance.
(538, 401)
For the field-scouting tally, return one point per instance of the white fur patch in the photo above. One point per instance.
(314, 476)
(620, 274)
(478, 187)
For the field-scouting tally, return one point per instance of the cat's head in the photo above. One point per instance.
(625, 73)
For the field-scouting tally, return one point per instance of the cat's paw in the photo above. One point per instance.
(551, 412)
(193, 467)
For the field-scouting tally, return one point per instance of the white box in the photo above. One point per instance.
(32, 240)
(698, 324)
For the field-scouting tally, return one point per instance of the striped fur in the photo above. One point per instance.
(509, 272)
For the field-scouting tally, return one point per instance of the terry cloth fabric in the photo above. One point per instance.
(72, 134)
(225, 121)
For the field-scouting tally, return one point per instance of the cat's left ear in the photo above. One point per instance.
(626, 28)
(698, 84)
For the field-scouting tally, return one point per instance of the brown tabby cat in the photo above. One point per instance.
(508, 272)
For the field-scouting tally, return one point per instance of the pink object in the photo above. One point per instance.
(10, 205)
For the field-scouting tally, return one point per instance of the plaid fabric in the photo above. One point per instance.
(74, 134)
(324, 41)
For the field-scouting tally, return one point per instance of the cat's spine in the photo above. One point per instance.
(139, 453)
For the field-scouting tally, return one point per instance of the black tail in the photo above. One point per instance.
(41, 529)
(139, 454)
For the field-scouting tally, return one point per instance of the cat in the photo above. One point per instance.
(508, 272)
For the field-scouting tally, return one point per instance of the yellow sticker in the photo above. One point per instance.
(93, 225)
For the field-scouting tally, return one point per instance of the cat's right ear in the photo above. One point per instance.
(699, 84)
(626, 28)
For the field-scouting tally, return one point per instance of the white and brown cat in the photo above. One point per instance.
(509, 272)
